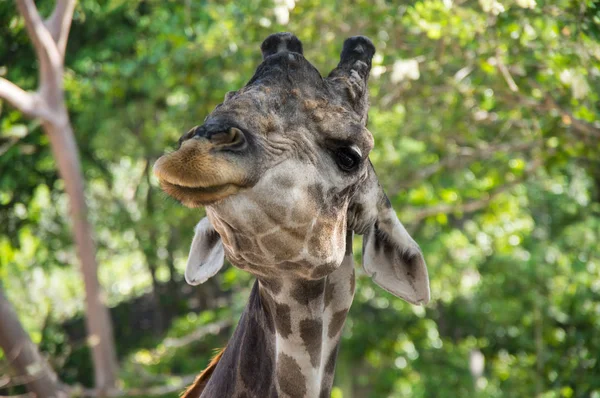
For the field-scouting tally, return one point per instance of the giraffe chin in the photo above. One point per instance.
(199, 196)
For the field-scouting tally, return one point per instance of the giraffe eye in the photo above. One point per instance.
(347, 158)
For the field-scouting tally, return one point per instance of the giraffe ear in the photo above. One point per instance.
(394, 260)
(206, 254)
(391, 257)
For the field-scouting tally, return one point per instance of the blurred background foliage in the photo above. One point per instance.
(485, 121)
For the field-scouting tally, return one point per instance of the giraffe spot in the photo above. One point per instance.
(289, 266)
(323, 270)
(283, 320)
(387, 203)
(337, 323)
(258, 222)
(271, 284)
(251, 258)
(302, 215)
(311, 333)
(327, 237)
(315, 191)
(330, 365)
(319, 243)
(284, 244)
(244, 243)
(329, 290)
(283, 182)
(290, 377)
(275, 211)
(306, 291)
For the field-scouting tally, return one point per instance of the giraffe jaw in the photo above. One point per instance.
(199, 196)
(198, 174)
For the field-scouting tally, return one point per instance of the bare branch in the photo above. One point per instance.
(78, 391)
(473, 205)
(59, 23)
(23, 355)
(28, 103)
(45, 48)
(579, 126)
(505, 73)
(211, 328)
(467, 207)
(464, 156)
(17, 97)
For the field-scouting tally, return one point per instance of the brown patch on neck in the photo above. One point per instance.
(290, 377)
(311, 332)
(305, 291)
(195, 390)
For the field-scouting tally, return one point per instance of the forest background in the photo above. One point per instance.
(485, 117)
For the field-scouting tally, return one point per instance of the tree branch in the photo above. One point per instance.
(198, 334)
(26, 102)
(78, 391)
(59, 23)
(583, 127)
(505, 73)
(473, 205)
(463, 156)
(17, 97)
(580, 126)
(467, 207)
(45, 48)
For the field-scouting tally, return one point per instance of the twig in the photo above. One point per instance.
(505, 73)
(59, 24)
(581, 126)
(31, 104)
(45, 48)
(462, 157)
(473, 205)
(211, 328)
(184, 381)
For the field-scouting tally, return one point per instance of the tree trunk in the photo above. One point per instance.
(49, 39)
(24, 356)
(98, 322)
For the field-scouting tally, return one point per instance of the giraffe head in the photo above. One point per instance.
(282, 168)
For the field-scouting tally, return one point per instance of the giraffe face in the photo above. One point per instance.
(277, 163)
(282, 168)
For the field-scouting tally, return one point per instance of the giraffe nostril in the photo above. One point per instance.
(232, 137)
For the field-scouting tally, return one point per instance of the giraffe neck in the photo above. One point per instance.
(286, 342)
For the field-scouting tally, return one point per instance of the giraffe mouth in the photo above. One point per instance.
(199, 196)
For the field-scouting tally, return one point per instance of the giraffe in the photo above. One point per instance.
(282, 169)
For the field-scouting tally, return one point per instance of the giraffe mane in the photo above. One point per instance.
(196, 388)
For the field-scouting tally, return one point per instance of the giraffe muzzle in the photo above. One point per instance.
(206, 167)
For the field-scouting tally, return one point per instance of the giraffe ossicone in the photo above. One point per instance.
(282, 168)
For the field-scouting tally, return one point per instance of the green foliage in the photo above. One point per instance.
(486, 140)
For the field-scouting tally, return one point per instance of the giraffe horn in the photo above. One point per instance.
(357, 54)
(283, 41)
(349, 79)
